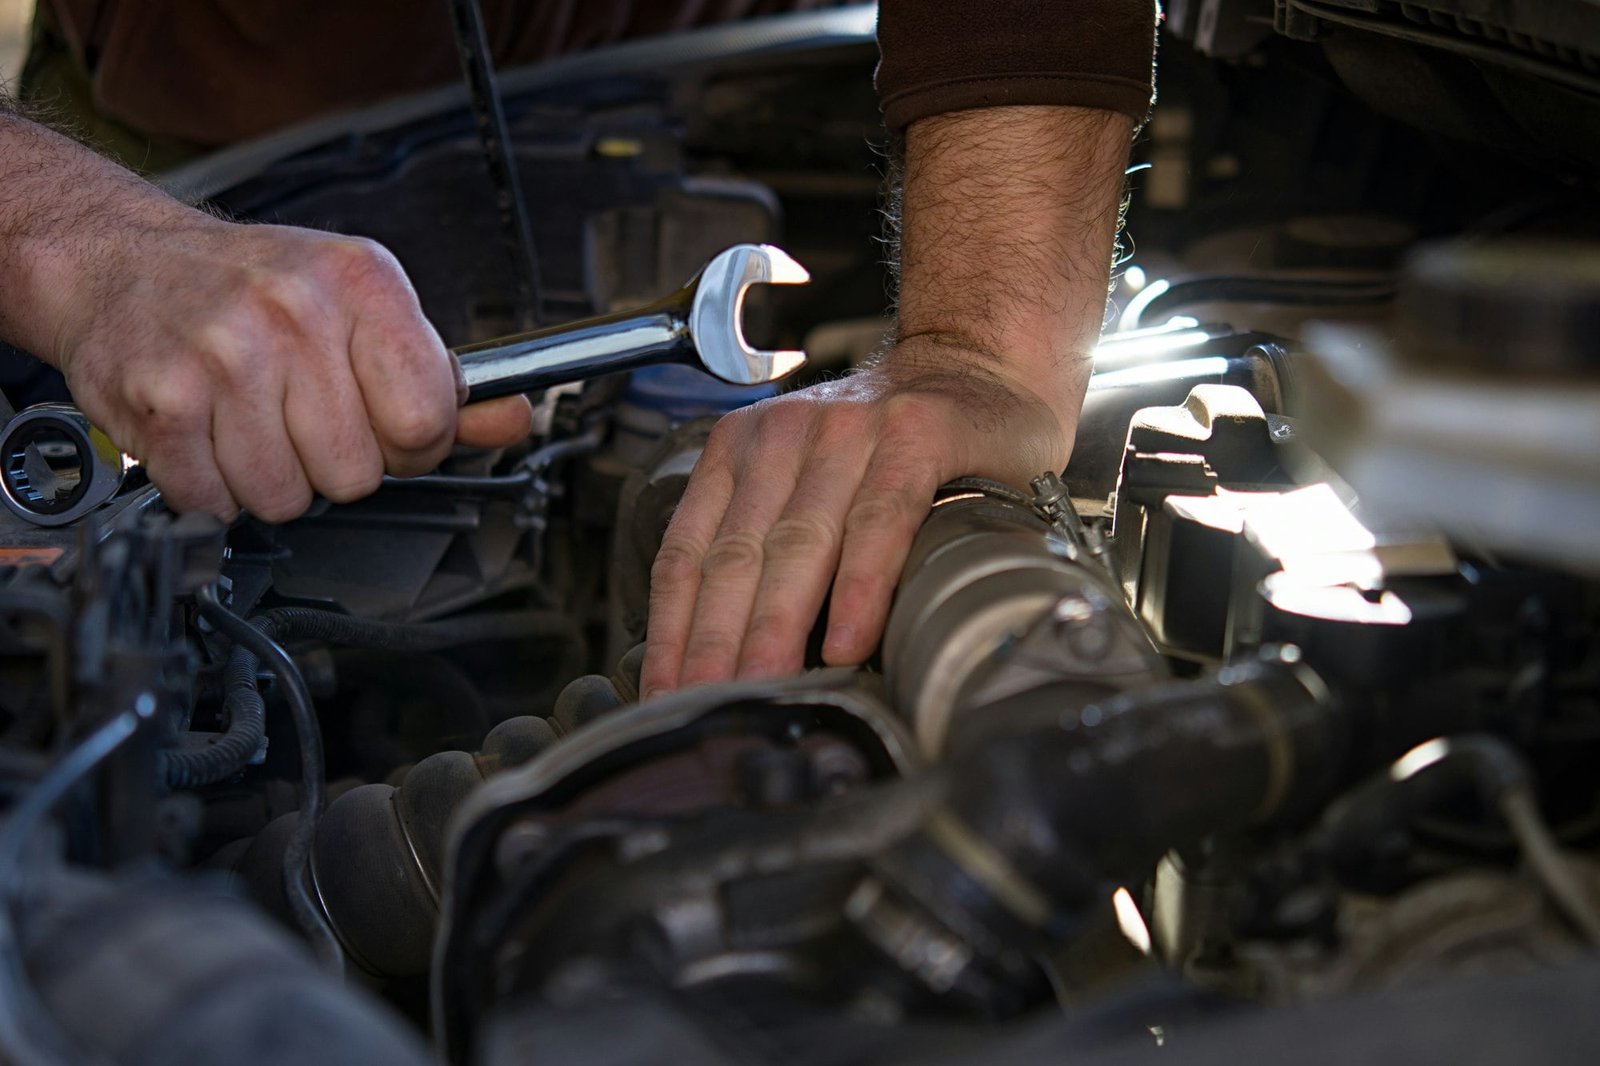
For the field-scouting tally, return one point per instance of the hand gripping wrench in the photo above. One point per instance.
(699, 325)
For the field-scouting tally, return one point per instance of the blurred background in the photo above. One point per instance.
(13, 36)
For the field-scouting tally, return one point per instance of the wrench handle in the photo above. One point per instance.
(576, 351)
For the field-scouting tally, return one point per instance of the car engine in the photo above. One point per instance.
(1268, 728)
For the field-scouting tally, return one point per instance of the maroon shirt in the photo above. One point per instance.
(212, 72)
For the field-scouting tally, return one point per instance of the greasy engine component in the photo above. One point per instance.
(139, 967)
(377, 863)
(936, 892)
(1402, 923)
(1214, 544)
(1030, 831)
(242, 704)
(1159, 366)
(1003, 593)
(1203, 686)
(726, 752)
(1218, 438)
(151, 973)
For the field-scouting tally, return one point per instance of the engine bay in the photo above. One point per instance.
(1265, 728)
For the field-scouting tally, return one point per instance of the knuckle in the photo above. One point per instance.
(769, 629)
(711, 643)
(186, 495)
(279, 290)
(365, 265)
(234, 366)
(914, 414)
(724, 438)
(710, 658)
(733, 554)
(874, 513)
(420, 427)
(675, 566)
(358, 254)
(784, 424)
(800, 533)
(843, 426)
(168, 404)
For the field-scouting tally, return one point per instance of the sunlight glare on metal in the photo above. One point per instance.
(1419, 758)
(1130, 921)
(1210, 367)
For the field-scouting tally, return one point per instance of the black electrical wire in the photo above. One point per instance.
(246, 715)
(307, 911)
(246, 711)
(1503, 781)
(489, 114)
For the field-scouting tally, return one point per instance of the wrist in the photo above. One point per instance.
(1035, 368)
(1034, 415)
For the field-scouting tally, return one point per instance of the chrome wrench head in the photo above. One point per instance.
(716, 316)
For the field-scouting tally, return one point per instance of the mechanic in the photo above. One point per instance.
(250, 366)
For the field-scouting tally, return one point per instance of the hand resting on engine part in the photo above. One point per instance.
(246, 366)
(1009, 220)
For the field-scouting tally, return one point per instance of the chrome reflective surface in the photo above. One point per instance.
(699, 324)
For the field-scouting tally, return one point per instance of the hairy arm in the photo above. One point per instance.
(1009, 217)
(246, 366)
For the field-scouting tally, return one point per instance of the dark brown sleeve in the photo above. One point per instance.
(952, 55)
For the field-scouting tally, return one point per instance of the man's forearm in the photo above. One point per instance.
(56, 198)
(1009, 219)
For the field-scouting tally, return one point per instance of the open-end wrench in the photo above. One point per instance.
(699, 325)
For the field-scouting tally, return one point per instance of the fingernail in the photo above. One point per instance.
(841, 638)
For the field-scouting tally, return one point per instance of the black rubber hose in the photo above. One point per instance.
(246, 714)
(151, 971)
(1036, 827)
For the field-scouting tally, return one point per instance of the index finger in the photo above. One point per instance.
(675, 575)
(884, 518)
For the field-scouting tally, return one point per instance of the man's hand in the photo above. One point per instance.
(252, 366)
(245, 366)
(831, 480)
(1009, 220)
